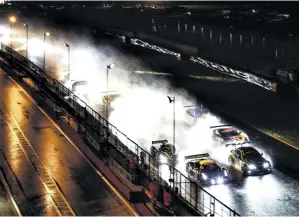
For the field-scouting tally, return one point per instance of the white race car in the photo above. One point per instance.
(162, 151)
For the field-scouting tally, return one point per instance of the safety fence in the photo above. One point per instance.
(97, 128)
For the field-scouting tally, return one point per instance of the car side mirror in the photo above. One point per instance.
(261, 154)
(240, 132)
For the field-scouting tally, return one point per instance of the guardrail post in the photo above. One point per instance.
(212, 206)
(196, 196)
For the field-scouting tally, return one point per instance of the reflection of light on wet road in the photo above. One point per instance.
(262, 187)
(14, 148)
(15, 103)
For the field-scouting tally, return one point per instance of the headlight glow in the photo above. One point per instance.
(266, 165)
(220, 180)
(204, 176)
(163, 159)
(251, 166)
(213, 182)
(225, 173)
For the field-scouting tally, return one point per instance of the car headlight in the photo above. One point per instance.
(163, 159)
(213, 181)
(251, 167)
(225, 173)
(220, 180)
(204, 176)
(266, 165)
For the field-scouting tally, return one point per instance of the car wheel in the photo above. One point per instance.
(220, 142)
(187, 168)
(230, 161)
(244, 171)
(153, 152)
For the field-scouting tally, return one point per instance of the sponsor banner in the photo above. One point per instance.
(269, 85)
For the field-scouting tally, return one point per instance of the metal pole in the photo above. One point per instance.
(26, 41)
(69, 50)
(44, 65)
(174, 121)
(107, 70)
(11, 35)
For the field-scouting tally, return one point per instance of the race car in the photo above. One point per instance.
(249, 161)
(226, 134)
(107, 98)
(203, 169)
(162, 151)
(192, 113)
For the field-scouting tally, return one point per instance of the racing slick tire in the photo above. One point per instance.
(153, 153)
(244, 171)
(231, 161)
(187, 168)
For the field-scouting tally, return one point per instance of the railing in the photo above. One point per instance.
(126, 177)
(96, 127)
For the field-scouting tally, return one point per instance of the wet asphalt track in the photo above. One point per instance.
(80, 184)
(273, 194)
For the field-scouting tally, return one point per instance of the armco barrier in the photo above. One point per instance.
(96, 127)
(225, 69)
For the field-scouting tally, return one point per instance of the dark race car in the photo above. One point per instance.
(227, 135)
(203, 169)
(249, 161)
(193, 113)
(163, 152)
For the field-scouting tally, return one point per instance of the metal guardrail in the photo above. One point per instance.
(96, 126)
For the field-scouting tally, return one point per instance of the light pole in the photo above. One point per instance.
(173, 101)
(107, 106)
(46, 34)
(26, 26)
(107, 101)
(68, 47)
(12, 20)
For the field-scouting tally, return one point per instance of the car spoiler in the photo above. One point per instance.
(159, 141)
(110, 92)
(196, 156)
(190, 106)
(235, 145)
(225, 125)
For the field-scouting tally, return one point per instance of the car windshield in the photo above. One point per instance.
(195, 112)
(228, 133)
(253, 154)
(166, 148)
(209, 168)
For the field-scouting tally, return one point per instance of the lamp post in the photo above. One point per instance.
(26, 26)
(12, 20)
(107, 101)
(173, 100)
(46, 34)
(69, 50)
(108, 68)
(173, 170)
